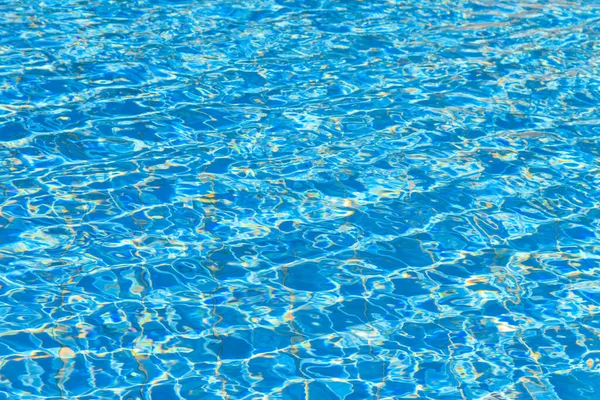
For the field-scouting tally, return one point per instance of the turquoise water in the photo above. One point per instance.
(276, 199)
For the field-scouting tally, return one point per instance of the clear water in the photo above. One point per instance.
(299, 199)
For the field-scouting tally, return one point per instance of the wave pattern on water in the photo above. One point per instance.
(299, 199)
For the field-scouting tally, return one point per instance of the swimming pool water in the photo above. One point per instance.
(285, 199)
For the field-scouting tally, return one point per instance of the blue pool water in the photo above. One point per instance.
(285, 199)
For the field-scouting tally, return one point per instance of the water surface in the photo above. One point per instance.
(275, 199)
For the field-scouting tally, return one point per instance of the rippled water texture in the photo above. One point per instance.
(299, 199)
